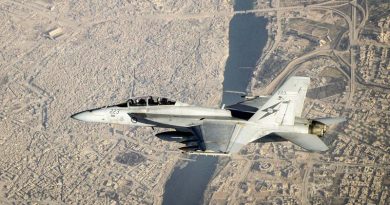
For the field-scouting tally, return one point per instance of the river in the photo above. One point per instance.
(247, 38)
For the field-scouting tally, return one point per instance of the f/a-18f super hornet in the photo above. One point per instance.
(224, 130)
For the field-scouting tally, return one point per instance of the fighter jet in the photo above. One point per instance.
(225, 130)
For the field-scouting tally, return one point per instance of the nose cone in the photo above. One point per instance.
(86, 116)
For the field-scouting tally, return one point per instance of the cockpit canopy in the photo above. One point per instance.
(147, 101)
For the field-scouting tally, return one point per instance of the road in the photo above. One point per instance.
(289, 69)
(353, 39)
(278, 36)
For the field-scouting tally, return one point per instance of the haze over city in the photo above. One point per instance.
(62, 57)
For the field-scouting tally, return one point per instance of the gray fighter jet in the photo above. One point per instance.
(224, 131)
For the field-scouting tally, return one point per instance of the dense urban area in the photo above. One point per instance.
(343, 46)
(61, 57)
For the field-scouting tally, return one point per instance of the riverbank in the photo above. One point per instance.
(247, 38)
(187, 184)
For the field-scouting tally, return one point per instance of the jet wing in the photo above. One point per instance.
(250, 105)
(223, 137)
(215, 135)
(246, 109)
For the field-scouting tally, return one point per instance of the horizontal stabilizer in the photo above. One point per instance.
(306, 141)
(330, 120)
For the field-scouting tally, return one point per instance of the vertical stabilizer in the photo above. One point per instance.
(285, 104)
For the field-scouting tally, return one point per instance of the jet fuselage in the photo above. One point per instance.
(215, 130)
(177, 115)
